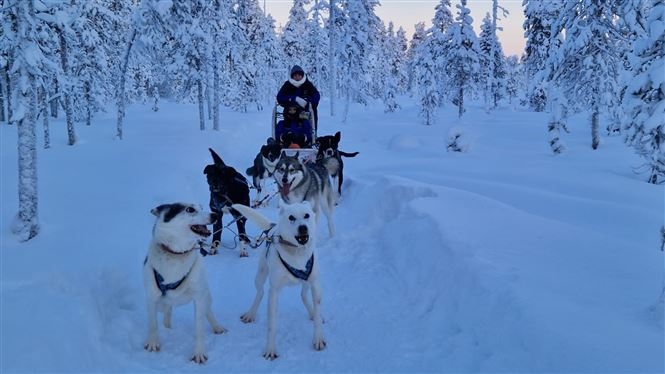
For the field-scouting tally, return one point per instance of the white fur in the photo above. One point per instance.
(291, 217)
(176, 235)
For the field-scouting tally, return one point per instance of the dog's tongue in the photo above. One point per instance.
(286, 188)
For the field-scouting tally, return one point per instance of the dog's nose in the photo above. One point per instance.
(303, 230)
(329, 152)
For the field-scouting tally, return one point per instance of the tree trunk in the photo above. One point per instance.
(55, 102)
(331, 56)
(26, 224)
(88, 103)
(594, 129)
(215, 95)
(460, 99)
(120, 94)
(202, 120)
(45, 120)
(69, 113)
(8, 90)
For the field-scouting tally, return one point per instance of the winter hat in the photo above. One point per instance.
(297, 69)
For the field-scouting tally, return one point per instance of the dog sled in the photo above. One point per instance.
(295, 130)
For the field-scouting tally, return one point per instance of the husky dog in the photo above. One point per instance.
(264, 166)
(288, 260)
(306, 182)
(173, 272)
(227, 187)
(330, 157)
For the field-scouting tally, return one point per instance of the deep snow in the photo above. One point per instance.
(502, 258)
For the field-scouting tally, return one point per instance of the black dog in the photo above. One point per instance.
(330, 156)
(227, 187)
(264, 166)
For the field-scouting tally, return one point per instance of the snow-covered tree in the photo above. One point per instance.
(440, 47)
(417, 38)
(645, 98)
(392, 66)
(586, 64)
(294, 33)
(426, 85)
(27, 71)
(539, 17)
(493, 64)
(463, 60)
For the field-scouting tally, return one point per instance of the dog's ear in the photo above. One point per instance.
(208, 169)
(157, 211)
(338, 136)
(216, 158)
(270, 141)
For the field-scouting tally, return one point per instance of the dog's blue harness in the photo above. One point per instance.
(300, 274)
(159, 279)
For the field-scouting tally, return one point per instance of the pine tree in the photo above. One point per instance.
(645, 100)
(28, 67)
(417, 38)
(440, 47)
(539, 18)
(586, 65)
(463, 60)
(293, 33)
(425, 80)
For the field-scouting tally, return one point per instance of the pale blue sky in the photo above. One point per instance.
(407, 13)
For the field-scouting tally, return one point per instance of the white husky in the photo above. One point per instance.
(173, 272)
(288, 260)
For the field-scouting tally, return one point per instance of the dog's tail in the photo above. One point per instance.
(253, 215)
(352, 154)
(250, 171)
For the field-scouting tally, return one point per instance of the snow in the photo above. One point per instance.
(501, 258)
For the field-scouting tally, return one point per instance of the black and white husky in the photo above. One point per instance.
(289, 260)
(173, 271)
(298, 181)
(264, 167)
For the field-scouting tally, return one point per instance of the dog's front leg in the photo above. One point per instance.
(304, 295)
(242, 233)
(200, 309)
(152, 342)
(318, 341)
(259, 281)
(216, 233)
(168, 312)
(270, 352)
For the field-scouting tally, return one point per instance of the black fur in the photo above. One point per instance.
(227, 187)
(328, 146)
(271, 151)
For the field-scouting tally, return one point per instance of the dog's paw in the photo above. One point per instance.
(213, 247)
(247, 318)
(244, 253)
(219, 330)
(199, 357)
(270, 355)
(319, 344)
(152, 345)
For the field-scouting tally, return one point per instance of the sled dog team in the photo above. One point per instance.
(174, 272)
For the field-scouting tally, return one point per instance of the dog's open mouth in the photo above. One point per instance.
(200, 230)
(285, 189)
(302, 239)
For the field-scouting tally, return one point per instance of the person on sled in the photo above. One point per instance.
(294, 131)
(300, 91)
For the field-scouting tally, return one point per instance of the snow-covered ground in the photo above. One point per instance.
(503, 258)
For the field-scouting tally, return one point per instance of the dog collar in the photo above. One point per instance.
(159, 279)
(166, 249)
(300, 274)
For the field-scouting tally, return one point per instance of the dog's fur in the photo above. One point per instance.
(330, 157)
(264, 166)
(310, 182)
(227, 187)
(293, 245)
(173, 271)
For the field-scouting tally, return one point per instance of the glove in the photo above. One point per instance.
(302, 102)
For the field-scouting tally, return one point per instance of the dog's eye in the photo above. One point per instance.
(190, 210)
(306, 215)
(292, 218)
